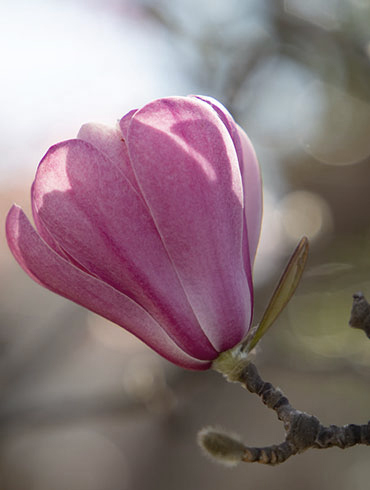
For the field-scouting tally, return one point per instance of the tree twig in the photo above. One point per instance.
(303, 431)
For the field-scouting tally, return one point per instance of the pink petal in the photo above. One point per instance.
(187, 168)
(44, 232)
(252, 182)
(110, 142)
(125, 122)
(252, 185)
(227, 119)
(96, 217)
(53, 272)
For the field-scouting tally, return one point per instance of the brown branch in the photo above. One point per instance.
(303, 431)
(360, 313)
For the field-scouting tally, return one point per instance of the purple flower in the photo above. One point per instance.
(153, 225)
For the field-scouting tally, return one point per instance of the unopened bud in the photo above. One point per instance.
(224, 448)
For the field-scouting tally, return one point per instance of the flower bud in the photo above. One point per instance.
(153, 225)
(224, 448)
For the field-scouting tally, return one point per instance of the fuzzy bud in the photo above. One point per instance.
(222, 447)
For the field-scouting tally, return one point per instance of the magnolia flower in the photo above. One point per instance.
(153, 225)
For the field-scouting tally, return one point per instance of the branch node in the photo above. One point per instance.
(303, 430)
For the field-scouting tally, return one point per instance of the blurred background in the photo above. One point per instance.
(85, 406)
